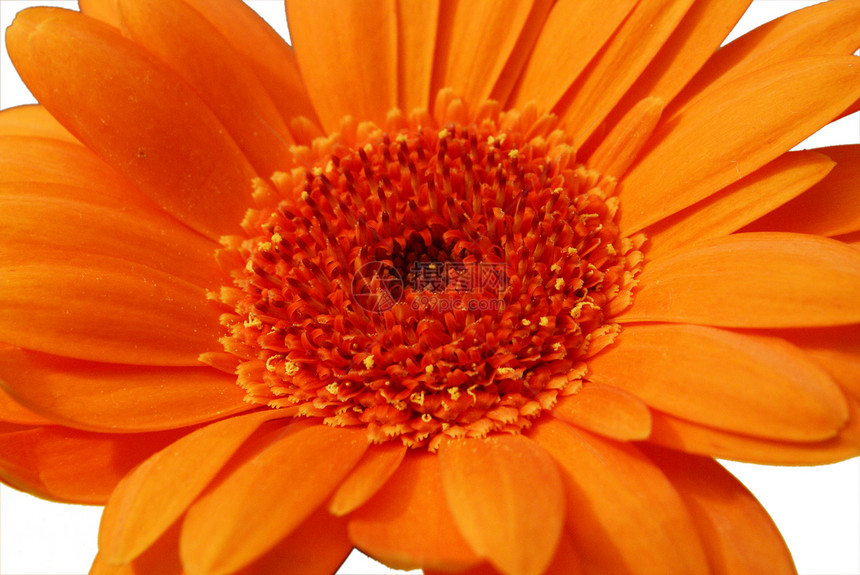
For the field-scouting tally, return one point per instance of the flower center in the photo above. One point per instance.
(427, 279)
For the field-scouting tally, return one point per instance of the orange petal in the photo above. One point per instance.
(104, 309)
(13, 412)
(825, 29)
(417, 26)
(267, 497)
(506, 497)
(739, 536)
(317, 547)
(766, 279)
(618, 150)
(836, 349)
(170, 481)
(696, 38)
(693, 438)
(719, 138)
(747, 384)
(573, 33)
(565, 562)
(108, 397)
(371, 473)
(265, 52)
(619, 63)
(162, 558)
(35, 225)
(47, 160)
(163, 137)
(74, 466)
(622, 513)
(193, 48)
(830, 208)
(476, 40)
(347, 52)
(33, 121)
(740, 203)
(104, 10)
(607, 410)
(407, 524)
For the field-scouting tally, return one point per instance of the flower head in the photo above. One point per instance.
(474, 288)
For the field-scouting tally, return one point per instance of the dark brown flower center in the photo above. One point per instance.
(427, 281)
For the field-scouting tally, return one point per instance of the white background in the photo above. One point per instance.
(816, 509)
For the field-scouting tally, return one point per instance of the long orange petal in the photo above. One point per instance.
(169, 481)
(620, 148)
(317, 547)
(573, 33)
(565, 562)
(606, 410)
(13, 412)
(161, 557)
(74, 466)
(347, 52)
(623, 514)
(619, 64)
(704, 27)
(267, 497)
(163, 137)
(830, 208)
(371, 473)
(193, 48)
(747, 384)
(35, 225)
(47, 160)
(766, 279)
(34, 121)
(693, 438)
(739, 536)
(104, 10)
(266, 53)
(119, 398)
(417, 24)
(740, 203)
(506, 497)
(836, 349)
(104, 309)
(476, 41)
(407, 524)
(825, 29)
(718, 140)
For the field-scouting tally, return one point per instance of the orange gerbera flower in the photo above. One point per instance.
(473, 287)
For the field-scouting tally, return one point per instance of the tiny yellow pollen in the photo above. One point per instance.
(332, 388)
(317, 171)
(417, 397)
(265, 246)
(471, 391)
(250, 266)
(610, 249)
(526, 322)
(269, 365)
(401, 139)
(514, 154)
(277, 238)
(253, 321)
(505, 371)
(329, 167)
(454, 392)
(427, 418)
(544, 321)
(368, 362)
(556, 346)
(305, 196)
(555, 268)
(428, 370)
(444, 133)
(559, 283)
(490, 141)
(291, 368)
